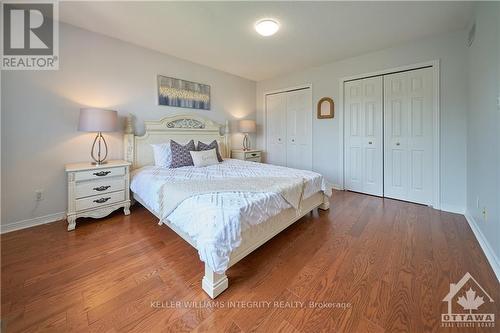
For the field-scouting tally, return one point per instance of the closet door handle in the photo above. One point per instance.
(293, 140)
(397, 144)
(369, 142)
(279, 139)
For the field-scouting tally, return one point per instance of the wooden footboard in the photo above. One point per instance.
(214, 284)
(254, 237)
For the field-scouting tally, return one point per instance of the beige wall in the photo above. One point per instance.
(40, 111)
(483, 126)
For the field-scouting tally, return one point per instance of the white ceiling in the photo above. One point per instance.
(221, 34)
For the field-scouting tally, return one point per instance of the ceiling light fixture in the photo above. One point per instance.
(267, 27)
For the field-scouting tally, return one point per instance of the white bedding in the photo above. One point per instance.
(215, 221)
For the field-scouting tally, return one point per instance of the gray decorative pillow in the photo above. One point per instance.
(180, 154)
(212, 145)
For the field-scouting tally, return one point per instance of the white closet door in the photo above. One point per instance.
(408, 128)
(363, 136)
(276, 129)
(299, 129)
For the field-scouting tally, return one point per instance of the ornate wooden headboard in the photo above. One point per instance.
(181, 128)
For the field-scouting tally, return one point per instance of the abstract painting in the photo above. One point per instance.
(182, 93)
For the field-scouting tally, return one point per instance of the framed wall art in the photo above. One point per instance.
(326, 108)
(182, 93)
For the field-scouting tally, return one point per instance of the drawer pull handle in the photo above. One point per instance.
(101, 188)
(254, 154)
(102, 200)
(102, 173)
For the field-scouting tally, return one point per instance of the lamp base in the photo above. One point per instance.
(99, 163)
(99, 140)
(246, 143)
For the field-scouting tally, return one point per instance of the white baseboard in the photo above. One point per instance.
(485, 245)
(32, 222)
(452, 209)
(337, 187)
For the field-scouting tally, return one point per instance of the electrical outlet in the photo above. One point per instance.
(39, 195)
(484, 214)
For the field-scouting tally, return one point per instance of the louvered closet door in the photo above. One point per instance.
(408, 128)
(363, 136)
(298, 130)
(276, 129)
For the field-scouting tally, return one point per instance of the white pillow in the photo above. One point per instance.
(204, 157)
(162, 154)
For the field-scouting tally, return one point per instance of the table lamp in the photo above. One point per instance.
(98, 120)
(247, 126)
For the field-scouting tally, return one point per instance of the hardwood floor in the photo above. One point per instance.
(392, 261)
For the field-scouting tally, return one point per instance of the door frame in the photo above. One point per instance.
(436, 190)
(264, 120)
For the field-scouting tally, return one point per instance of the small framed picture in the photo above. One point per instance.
(326, 108)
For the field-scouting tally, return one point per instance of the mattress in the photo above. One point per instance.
(215, 221)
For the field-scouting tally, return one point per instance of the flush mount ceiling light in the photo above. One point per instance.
(267, 27)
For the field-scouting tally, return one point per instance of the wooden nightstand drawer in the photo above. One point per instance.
(99, 187)
(247, 155)
(252, 155)
(99, 173)
(99, 200)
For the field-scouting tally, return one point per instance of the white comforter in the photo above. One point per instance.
(215, 221)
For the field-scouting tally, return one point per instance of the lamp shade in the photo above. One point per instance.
(97, 120)
(247, 126)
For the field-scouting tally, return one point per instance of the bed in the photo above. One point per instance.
(232, 224)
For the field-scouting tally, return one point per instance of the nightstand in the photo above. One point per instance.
(247, 155)
(96, 191)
